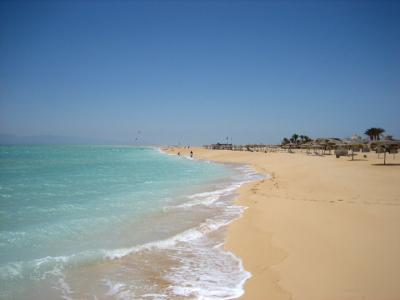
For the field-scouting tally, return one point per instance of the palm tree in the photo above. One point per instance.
(374, 133)
(294, 138)
(370, 133)
(379, 132)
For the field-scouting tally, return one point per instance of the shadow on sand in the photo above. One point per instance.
(358, 159)
(387, 165)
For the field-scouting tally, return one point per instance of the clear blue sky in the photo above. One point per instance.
(198, 71)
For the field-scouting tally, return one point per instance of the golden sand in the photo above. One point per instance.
(321, 228)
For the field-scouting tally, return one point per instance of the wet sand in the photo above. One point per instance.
(321, 228)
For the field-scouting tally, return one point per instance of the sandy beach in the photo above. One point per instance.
(321, 228)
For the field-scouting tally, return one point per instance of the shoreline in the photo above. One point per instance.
(169, 262)
(320, 228)
(249, 177)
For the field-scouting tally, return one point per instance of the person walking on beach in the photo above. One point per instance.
(191, 153)
(179, 154)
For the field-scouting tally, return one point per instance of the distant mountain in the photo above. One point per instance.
(8, 139)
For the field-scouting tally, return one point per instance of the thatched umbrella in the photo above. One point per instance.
(321, 144)
(351, 145)
(316, 147)
(328, 143)
(390, 146)
(332, 143)
(307, 146)
(289, 146)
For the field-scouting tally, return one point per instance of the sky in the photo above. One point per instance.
(196, 72)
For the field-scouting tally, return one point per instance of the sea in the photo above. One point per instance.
(116, 222)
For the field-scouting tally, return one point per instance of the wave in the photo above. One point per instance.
(187, 243)
(212, 197)
(42, 266)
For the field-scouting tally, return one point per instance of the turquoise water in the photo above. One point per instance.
(66, 211)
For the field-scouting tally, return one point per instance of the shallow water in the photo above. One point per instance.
(107, 222)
